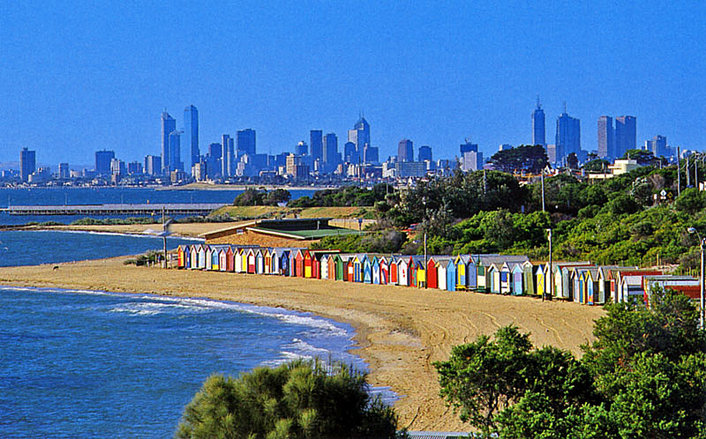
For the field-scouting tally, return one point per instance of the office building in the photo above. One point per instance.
(471, 160)
(168, 126)
(191, 133)
(538, 128)
(316, 143)
(246, 142)
(134, 168)
(370, 154)
(174, 153)
(117, 167)
(658, 146)
(228, 158)
(468, 147)
(350, 153)
(330, 151)
(606, 138)
(625, 134)
(301, 149)
(153, 165)
(568, 136)
(405, 151)
(360, 135)
(103, 159)
(296, 167)
(64, 172)
(424, 153)
(410, 169)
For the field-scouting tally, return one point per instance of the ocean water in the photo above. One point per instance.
(50, 247)
(79, 364)
(103, 195)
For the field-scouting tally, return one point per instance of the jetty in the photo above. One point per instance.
(116, 209)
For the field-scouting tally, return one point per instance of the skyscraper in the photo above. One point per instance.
(191, 132)
(625, 134)
(168, 125)
(330, 156)
(350, 153)
(658, 146)
(360, 135)
(228, 161)
(103, 159)
(245, 142)
(316, 144)
(606, 137)
(405, 151)
(568, 136)
(153, 165)
(424, 153)
(174, 152)
(28, 163)
(538, 137)
(301, 149)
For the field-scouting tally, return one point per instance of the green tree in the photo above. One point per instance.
(296, 400)
(530, 158)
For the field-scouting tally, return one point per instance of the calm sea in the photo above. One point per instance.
(77, 364)
(77, 196)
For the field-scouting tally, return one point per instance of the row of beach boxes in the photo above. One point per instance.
(580, 282)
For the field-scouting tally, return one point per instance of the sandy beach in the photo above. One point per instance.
(400, 331)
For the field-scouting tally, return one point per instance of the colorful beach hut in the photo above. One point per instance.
(384, 270)
(367, 268)
(375, 270)
(431, 273)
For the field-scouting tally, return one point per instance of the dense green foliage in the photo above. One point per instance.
(529, 158)
(255, 197)
(296, 400)
(643, 376)
(384, 241)
(345, 196)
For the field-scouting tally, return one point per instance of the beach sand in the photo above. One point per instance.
(400, 331)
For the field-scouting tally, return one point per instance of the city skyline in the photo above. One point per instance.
(462, 75)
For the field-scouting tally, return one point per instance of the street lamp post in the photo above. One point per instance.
(702, 244)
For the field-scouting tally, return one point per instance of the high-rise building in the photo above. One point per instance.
(117, 167)
(371, 154)
(153, 165)
(174, 152)
(350, 153)
(103, 159)
(606, 137)
(191, 132)
(405, 151)
(468, 147)
(228, 160)
(316, 144)
(134, 168)
(538, 131)
(246, 142)
(658, 146)
(424, 153)
(360, 135)
(64, 171)
(625, 134)
(301, 149)
(568, 136)
(471, 160)
(330, 150)
(168, 126)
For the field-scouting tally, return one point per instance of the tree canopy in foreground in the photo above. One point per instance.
(643, 377)
(297, 400)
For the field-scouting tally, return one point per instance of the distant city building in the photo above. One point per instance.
(371, 154)
(350, 153)
(296, 167)
(409, 169)
(174, 153)
(191, 133)
(198, 171)
(64, 172)
(424, 153)
(471, 161)
(134, 168)
(228, 159)
(538, 126)
(568, 136)
(153, 165)
(117, 167)
(168, 126)
(606, 137)
(468, 147)
(28, 163)
(551, 153)
(625, 134)
(330, 154)
(405, 151)
(103, 159)
(360, 135)
(316, 142)
(246, 142)
(504, 147)
(658, 146)
(301, 149)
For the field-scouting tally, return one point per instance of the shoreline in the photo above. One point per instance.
(399, 332)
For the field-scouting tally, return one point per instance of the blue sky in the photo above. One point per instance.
(92, 75)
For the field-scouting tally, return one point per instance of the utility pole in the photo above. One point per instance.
(164, 236)
(688, 174)
(551, 280)
(678, 171)
(543, 210)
